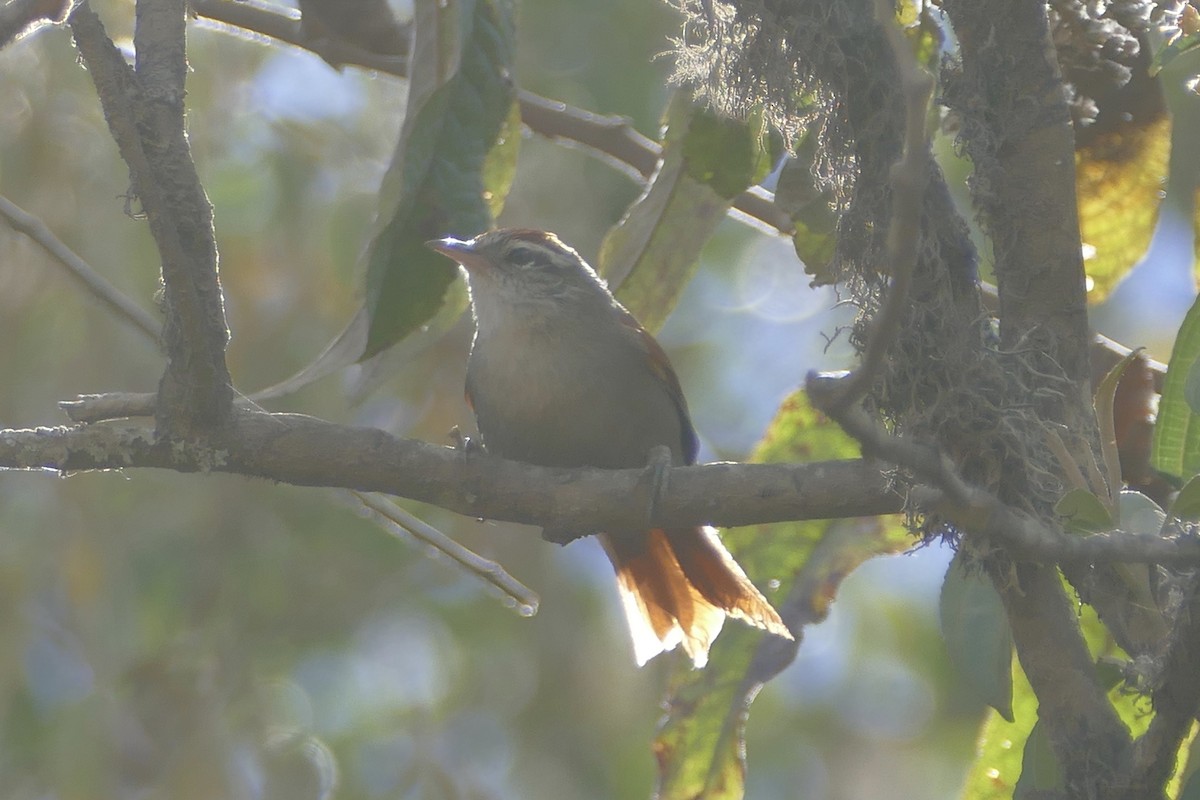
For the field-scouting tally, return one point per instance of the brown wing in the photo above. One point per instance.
(660, 365)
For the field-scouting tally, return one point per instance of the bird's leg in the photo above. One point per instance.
(655, 479)
(464, 444)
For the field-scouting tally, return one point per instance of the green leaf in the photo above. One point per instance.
(1187, 771)
(1004, 749)
(1040, 771)
(654, 251)
(1083, 512)
(1191, 790)
(811, 211)
(978, 639)
(1141, 515)
(453, 163)
(1186, 505)
(997, 767)
(700, 747)
(1182, 45)
(724, 154)
(1176, 449)
(1191, 388)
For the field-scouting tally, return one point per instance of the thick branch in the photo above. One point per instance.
(144, 112)
(1021, 142)
(1176, 702)
(306, 451)
(1055, 658)
(1044, 625)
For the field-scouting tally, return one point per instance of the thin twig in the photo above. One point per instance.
(396, 520)
(89, 408)
(87, 278)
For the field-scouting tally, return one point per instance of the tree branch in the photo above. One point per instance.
(18, 17)
(306, 451)
(610, 138)
(91, 281)
(144, 111)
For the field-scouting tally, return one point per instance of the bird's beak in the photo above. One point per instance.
(463, 252)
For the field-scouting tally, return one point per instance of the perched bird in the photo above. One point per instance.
(561, 375)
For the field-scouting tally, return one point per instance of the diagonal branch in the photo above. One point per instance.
(611, 138)
(396, 521)
(92, 282)
(981, 512)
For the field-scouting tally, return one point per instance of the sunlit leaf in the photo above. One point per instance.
(1187, 773)
(707, 161)
(700, 748)
(1119, 181)
(453, 164)
(1176, 448)
(978, 639)
(997, 767)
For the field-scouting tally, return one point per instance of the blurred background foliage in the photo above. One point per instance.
(208, 636)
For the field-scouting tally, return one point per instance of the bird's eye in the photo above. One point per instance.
(528, 256)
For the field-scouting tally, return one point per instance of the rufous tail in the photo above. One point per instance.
(677, 587)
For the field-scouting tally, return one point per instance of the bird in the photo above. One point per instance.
(560, 374)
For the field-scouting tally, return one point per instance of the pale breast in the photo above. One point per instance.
(570, 399)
